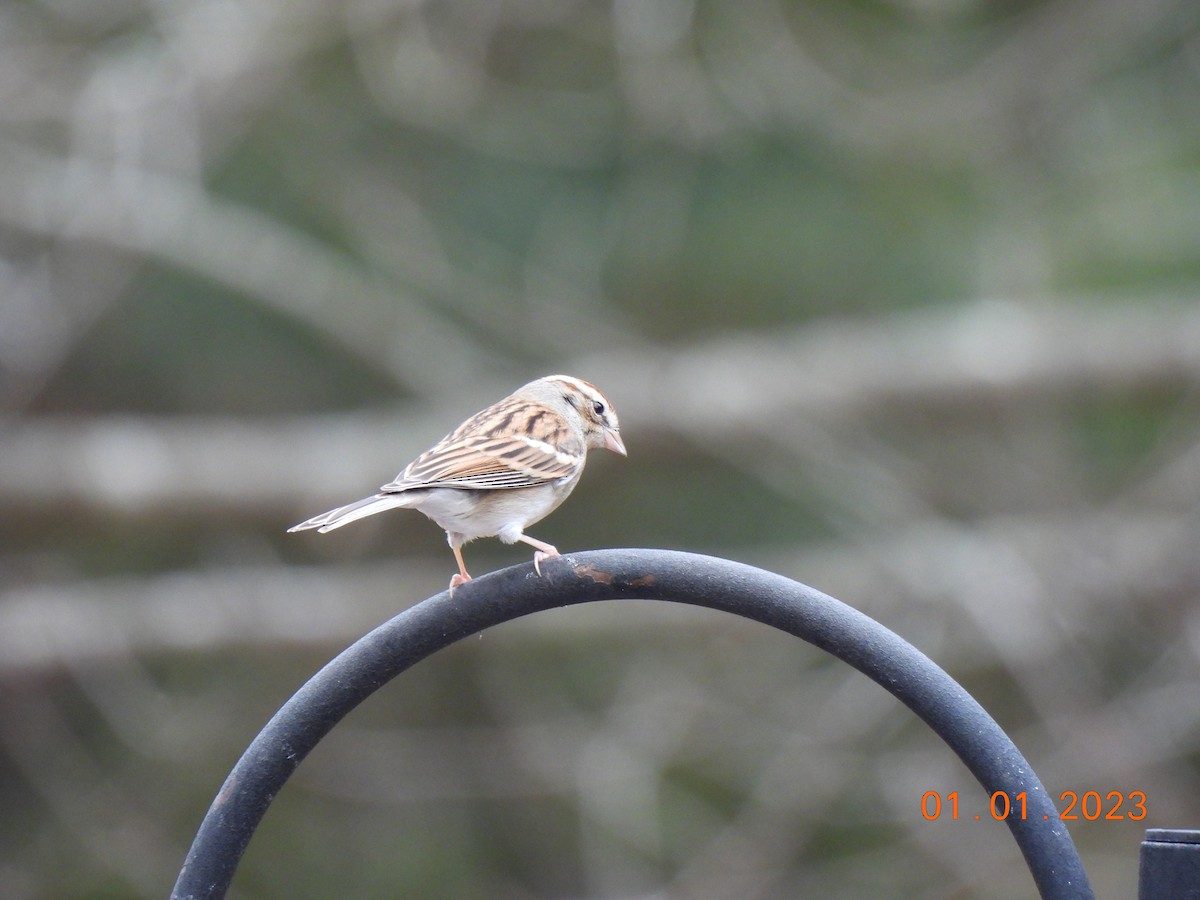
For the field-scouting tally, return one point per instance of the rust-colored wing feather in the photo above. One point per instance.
(505, 446)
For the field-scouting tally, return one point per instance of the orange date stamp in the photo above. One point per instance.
(1090, 806)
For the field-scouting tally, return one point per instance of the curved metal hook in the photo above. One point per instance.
(492, 599)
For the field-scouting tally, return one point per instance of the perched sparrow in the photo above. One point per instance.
(500, 471)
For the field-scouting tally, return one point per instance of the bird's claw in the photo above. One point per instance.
(539, 555)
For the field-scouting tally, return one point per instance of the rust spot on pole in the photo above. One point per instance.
(594, 574)
(601, 577)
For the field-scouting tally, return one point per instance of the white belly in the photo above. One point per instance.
(503, 514)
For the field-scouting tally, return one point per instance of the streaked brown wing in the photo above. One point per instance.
(492, 463)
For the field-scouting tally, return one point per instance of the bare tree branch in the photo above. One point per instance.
(989, 354)
(1018, 578)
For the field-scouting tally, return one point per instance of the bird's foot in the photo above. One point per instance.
(539, 555)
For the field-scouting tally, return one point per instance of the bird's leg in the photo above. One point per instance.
(462, 576)
(543, 551)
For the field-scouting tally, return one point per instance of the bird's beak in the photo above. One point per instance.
(613, 442)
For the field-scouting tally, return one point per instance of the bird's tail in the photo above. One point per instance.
(352, 512)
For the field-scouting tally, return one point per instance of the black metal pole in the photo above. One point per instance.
(1170, 864)
(720, 584)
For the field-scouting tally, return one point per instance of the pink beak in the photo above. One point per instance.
(613, 442)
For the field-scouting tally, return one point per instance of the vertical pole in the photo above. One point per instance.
(1170, 865)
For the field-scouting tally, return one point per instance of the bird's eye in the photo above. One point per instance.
(598, 407)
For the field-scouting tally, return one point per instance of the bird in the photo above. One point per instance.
(502, 470)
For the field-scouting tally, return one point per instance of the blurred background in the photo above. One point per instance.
(895, 297)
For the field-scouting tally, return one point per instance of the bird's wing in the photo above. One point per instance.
(481, 458)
